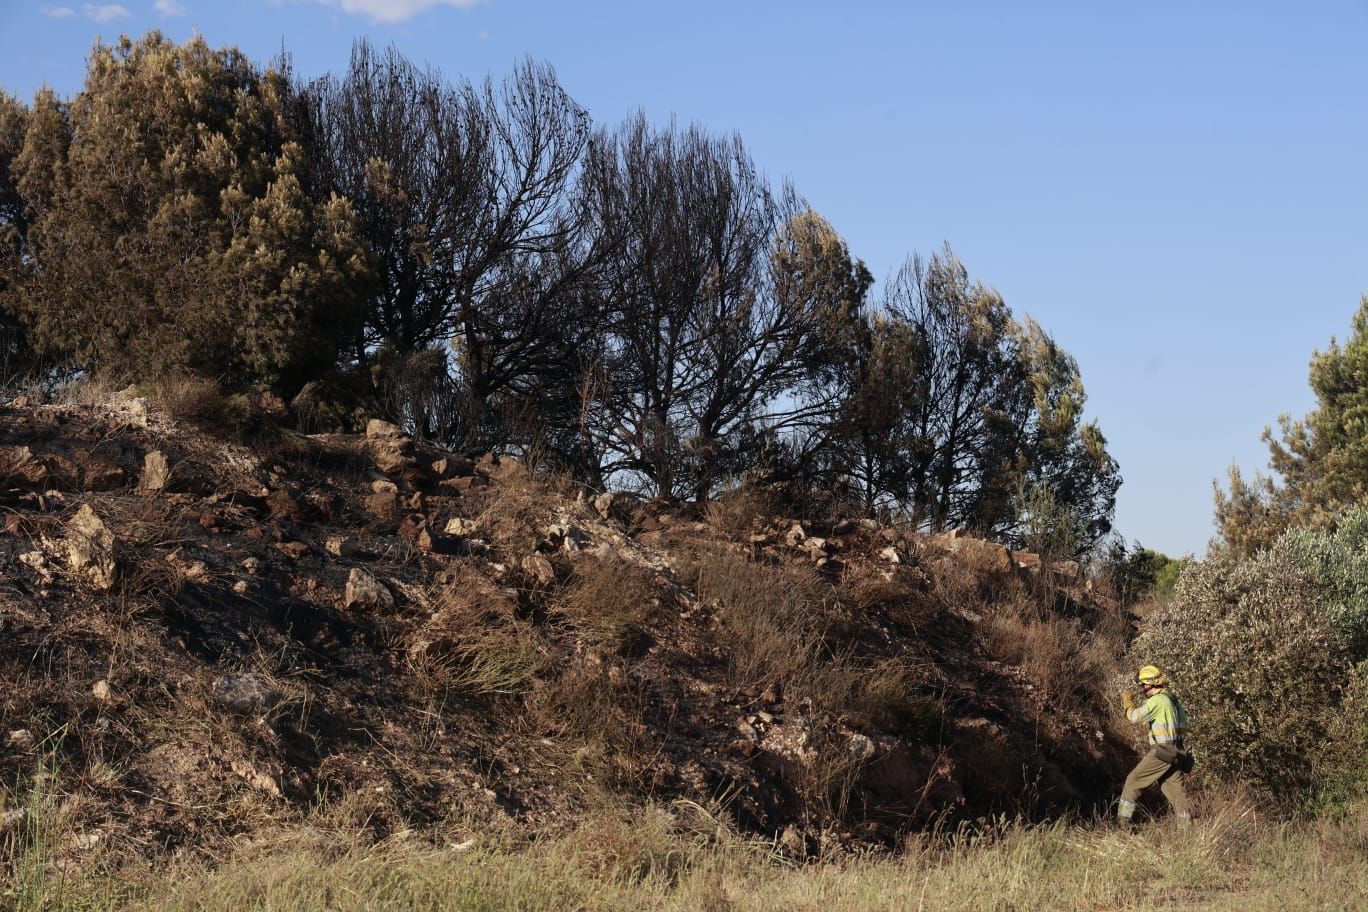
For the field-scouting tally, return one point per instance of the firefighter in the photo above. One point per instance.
(1167, 760)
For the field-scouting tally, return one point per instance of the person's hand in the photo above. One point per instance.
(1128, 700)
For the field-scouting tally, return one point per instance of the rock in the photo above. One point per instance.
(539, 568)
(767, 718)
(1065, 569)
(1027, 561)
(792, 843)
(252, 565)
(294, 550)
(384, 486)
(979, 555)
(416, 502)
(384, 507)
(376, 429)
(415, 530)
(564, 536)
(891, 555)
(92, 550)
(365, 591)
(101, 691)
(241, 587)
(503, 468)
(795, 535)
(815, 545)
(156, 473)
(341, 546)
(862, 746)
(25, 469)
(463, 528)
(452, 467)
(464, 484)
(20, 739)
(37, 561)
(246, 694)
(747, 731)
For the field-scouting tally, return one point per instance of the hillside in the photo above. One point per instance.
(203, 640)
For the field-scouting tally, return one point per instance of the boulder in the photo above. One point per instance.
(367, 592)
(452, 467)
(1026, 561)
(975, 553)
(384, 507)
(92, 550)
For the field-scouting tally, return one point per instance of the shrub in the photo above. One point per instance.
(1258, 664)
(1337, 564)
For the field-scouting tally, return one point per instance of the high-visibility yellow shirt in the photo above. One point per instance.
(1166, 718)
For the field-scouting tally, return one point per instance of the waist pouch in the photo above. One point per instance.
(1174, 756)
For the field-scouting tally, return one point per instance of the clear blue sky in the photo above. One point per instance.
(1176, 190)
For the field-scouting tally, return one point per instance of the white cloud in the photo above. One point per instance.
(393, 10)
(57, 12)
(106, 12)
(169, 7)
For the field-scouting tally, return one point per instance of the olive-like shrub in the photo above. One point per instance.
(1256, 653)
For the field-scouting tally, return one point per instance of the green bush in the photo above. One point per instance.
(1261, 669)
(1337, 563)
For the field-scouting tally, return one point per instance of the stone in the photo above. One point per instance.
(252, 565)
(795, 535)
(365, 591)
(979, 555)
(294, 550)
(102, 692)
(503, 468)
(415, 530)
(539, 568)
(341, 546)
(241, 587)
(20, 739)
(156, 473)
(25, 469)
(384, 486)
(748, 731)
(862, 746)
(464, 484)
(564, 536)
(891, 555)
(246, 694)
(92, 550)
(461, 527)
(815, 545)
(1027, 561)
(452, 467)
(37, 561)
(384, 507)
(377, 429)
(1068, 569)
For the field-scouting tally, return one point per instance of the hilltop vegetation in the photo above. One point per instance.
(482, 265)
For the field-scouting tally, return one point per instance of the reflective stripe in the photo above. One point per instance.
(1125, 809)
(1168, 721)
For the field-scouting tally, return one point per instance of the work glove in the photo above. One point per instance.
(1128, 700)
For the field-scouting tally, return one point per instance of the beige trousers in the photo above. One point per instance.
(1147, 772)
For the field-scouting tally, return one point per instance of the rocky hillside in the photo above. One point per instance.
(202, 640)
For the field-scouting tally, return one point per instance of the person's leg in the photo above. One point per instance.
(1172, 787)
(1147, 772)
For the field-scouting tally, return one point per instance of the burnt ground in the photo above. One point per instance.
(530, 650)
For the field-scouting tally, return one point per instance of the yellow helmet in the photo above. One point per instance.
(1152, 675)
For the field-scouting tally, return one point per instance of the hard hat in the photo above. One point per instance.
(1152, 675)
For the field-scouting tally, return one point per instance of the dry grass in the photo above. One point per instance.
(611, 604)
(686, 858)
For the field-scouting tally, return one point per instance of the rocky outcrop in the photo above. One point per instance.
(92, 550)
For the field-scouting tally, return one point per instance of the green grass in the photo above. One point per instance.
(656, 859)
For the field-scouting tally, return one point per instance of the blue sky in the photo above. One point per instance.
(1176, 190)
